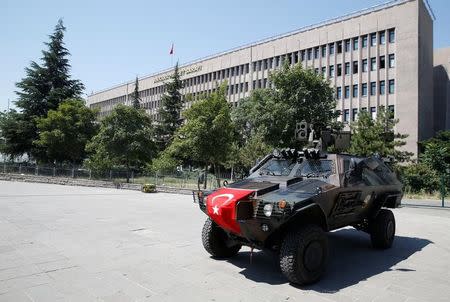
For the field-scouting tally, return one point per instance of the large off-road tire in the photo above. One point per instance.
(304, 255)
(382, 229)
(216, 241)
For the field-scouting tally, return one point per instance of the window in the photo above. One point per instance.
(339, 47)
(391, 86)
(373, 88)
(373, 39)
(347, 68)
(382, 63)
(324, 71)
(232, 73)
(364, 109)
(382, 87)
(364, 42)
(259, 65)
(269, 63)
(316, 70)
(355, 67)
(392, 35)
(355, 43)
(391, 60)
(346, 115)
(373, 64)
(338, 93)
(246, 86)
(364, 65)
(347, 45)
(316, 53)
(295, 56)
(265, 83)
(354, 114)
(382, 38)
(364, 89)
(373, 112)
(277, 61)
(331, 48)
(339, 70)
(347, 92)
(339, 116)
(391, 109)
(302, 55)
(355, 91)
(324, 51)
(331, 71)
(309, 54)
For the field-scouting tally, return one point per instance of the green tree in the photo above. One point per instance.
(437, 157)
(377, 136)
(136, 98)
(15, 134)
(298, 94)
(44, 88)
(64, 132)
(125, 138)
(207, 135)
(170, 111)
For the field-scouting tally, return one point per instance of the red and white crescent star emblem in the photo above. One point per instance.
(221, 207)
(229, 198)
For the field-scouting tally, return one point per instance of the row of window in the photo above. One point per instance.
(348, 44)
(364, 87)
(345, 116)
(353, 67)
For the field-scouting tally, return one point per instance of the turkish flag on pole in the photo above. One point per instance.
(171, 50)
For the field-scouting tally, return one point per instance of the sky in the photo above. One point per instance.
(114, 41)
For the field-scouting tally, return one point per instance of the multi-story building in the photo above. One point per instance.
(380, 56)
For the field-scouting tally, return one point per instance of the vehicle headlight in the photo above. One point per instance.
(268, 209)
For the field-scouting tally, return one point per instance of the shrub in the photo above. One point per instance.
(149, 188)
(418, 177)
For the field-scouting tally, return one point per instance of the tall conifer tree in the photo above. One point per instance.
(170, 111)
(44, 87)
(136, 98)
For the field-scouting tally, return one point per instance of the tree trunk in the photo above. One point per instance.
(205, 181)
(128, 173)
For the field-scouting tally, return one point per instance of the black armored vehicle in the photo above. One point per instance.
(292, 198)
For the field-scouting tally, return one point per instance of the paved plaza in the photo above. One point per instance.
(61, 243)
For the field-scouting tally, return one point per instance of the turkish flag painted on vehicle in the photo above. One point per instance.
(221, 207)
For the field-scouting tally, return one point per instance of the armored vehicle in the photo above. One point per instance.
(292, 198)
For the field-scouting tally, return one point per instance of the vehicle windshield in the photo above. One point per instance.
(277, 167)
(315, 168)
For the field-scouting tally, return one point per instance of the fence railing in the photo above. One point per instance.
(180, 179)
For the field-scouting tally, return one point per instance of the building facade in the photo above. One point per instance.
(378, 57)
(441, 85)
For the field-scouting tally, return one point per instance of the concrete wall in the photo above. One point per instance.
(441, 79)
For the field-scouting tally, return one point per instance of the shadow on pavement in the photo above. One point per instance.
(351, 261)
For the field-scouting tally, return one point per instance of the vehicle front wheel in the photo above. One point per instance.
(304, 255)
(217, 242)
(382, 229)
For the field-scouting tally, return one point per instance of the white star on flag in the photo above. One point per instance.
(215, 210)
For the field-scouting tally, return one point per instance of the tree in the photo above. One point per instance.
(437, 157)
(64, 132)
(170, 111)
(15, 134)
(44, 88)
(125, 138)
(136, 98)
(299, 94)
(377, 136)
(207, 135)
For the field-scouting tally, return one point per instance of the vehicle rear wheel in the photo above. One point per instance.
(304, 255)
(216, 241)
(382, 229)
